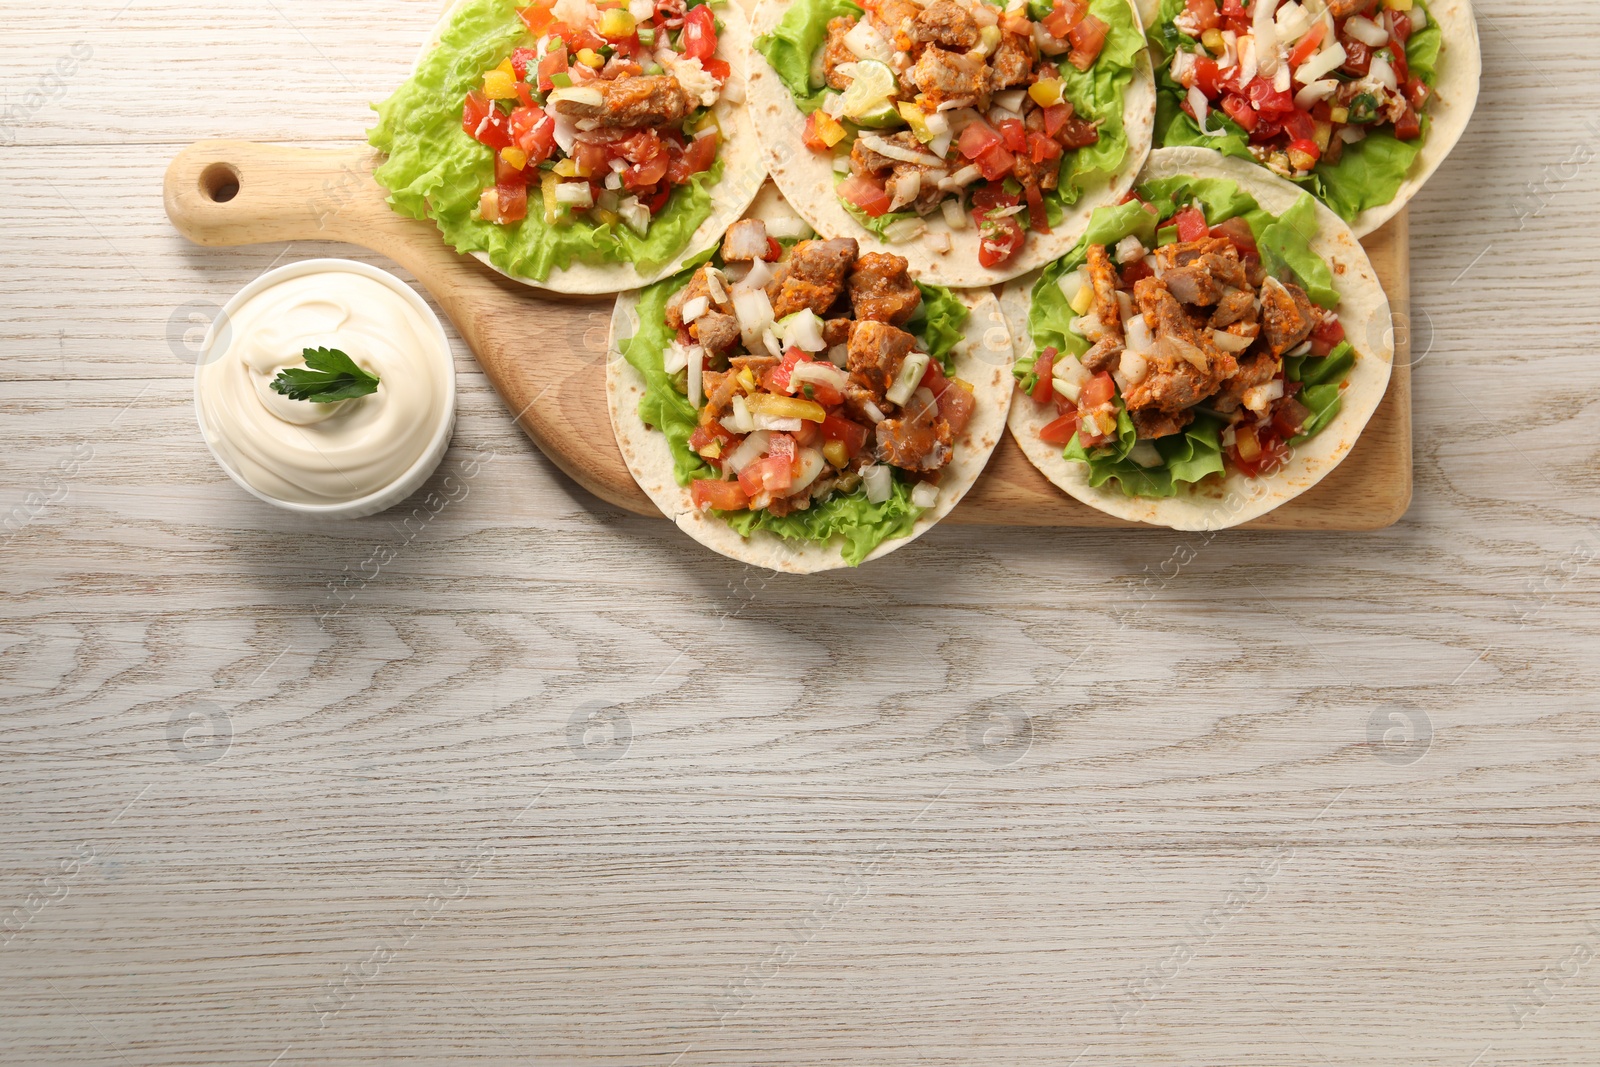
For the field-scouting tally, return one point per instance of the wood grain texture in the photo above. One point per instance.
(555, 386)
(987, 806)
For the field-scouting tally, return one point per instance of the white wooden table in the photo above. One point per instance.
(557, 786)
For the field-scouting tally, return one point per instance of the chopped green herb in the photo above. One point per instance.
(328, 377)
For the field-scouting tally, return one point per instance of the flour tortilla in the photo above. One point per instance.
(1216, 504)
(742, 172)
(1448, 110)
(983, 358)
(807, 178)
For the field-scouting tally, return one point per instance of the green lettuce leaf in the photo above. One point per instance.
(436, 171)
(862, 524)
(1322, 379)
(1286, 244)
(1187, 457)
(796, 38)
(1369, 173)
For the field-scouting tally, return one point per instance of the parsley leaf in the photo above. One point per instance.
(328, 377)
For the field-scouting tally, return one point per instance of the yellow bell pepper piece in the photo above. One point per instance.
(828, 128)
(1398, 5)
(786, 407)
(514, 157)
(569, 168)
(501, 82)
(747, 381)
(609, 218)
(1214, 42)
(915, 117)
(1083, 301)
(836, 453)
(1046, 92)
(1339, 114)
(616, 23)
(548, 183)
(590, 58)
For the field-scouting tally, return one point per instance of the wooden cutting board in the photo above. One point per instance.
(546, 353)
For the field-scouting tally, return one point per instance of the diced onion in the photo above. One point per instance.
(1291, 22)
(1129, 249)
(833, 104)
(879, 483)
(575, 194)
(872, 411)
(906, 189)
(900, 153)
(585, 95)
(1230, 342)
(750, 449)
(865, 42)
(1124, 305)
(1132, 368)
(1383, 73)
(641, 10)
(1145, 455)
(675, 358)
(955, 216)
(841, 164)
(961, 178)
(1281, 81)
(753, 309)
(757, 277)
(1011, 99)
(803, 330)
(739, 421)
(912, 369)
(715, 280)
(904, 230)
(1259, 397)
(613, 181)
(1139, 337)
(1088, 326)
(779, 424)
(635, 215)
(1155, 266)
(788, 227)
(1315, 93)
(769, 340)
(1069, 284)
(1265, 28)
(1201, 108)
(1174, 347)
(1352, 134)
(819, 373)
(697, 358)
(693, 309)
(839, 355)
(809, 464)
(1366, 31)
(566, 134)
(1321, 64)
(1247, 59)
(925, 495)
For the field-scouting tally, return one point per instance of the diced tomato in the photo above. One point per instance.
(992, 195)
(1065, 15)
(852, 434)
(538, 17)
(1289, 416)
(1045, 369)
(776, 380)
(1238, 231)
(534, 133)
(1268, 100)
(1135, 272)
(774, 250)
(774, 474)
(1307, 44)
(554, 62)
(1088, 37)
(669, 13)
(996, 163)
(998, 239)
(719, 496)
(810, 137)
(520, 58)
(1256, 451)
(659, 201)
(1014, 134)
(1207, 76)
(956, 405)
(640, 147)
(1042, 148)
(1417, 92)
(645, 175)
(483, 122)
(1300, 126)
(781, 446)
(1399, 28)
(717, 68)
(709, 440)
(505, 174)
(1402, 71)
(577, 40)
(1191, 223)
(1038, 217)
(1203, 14)
(513, 202)
(525, 94)
(1357, 56)
(1409, 125)
(700, 34)
(1061, 431)
(1239, 110)
(1266, 130)
(1055, 117)
(978, 138)
(865, 194)
(697, 156)
(590, 157)
(1100, 389)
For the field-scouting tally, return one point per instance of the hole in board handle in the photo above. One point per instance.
(219, 183)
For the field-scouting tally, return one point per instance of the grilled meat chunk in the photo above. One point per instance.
(719, 387)
(1287, 315)
(746, 242)
(882, 290)
(1103, 278)
(1187, 367)
(836, 331)
(894, 19)
(717, 333)
(812, 277)
(649, 100)
(876, 352)
(944, 76)
(698, 286)
(1013, 60)
(835, 52)
(1236, 306)
(1199, 272)
(869, 163)
(946, 23)
(919, 442)
(1151, 423)
(1104, 356)
(1257, 369)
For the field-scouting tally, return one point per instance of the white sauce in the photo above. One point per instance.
(308, 453)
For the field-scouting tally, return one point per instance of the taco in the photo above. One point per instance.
(1358, 101)
(583, 147)
(1211, 349)
(802, 405)
(973, 138)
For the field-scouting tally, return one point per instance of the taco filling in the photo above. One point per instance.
(566, 130)
(804, 390)
(1333, 95)
(1190, 335)
(988, 116)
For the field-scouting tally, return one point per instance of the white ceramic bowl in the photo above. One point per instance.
(420, 471)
